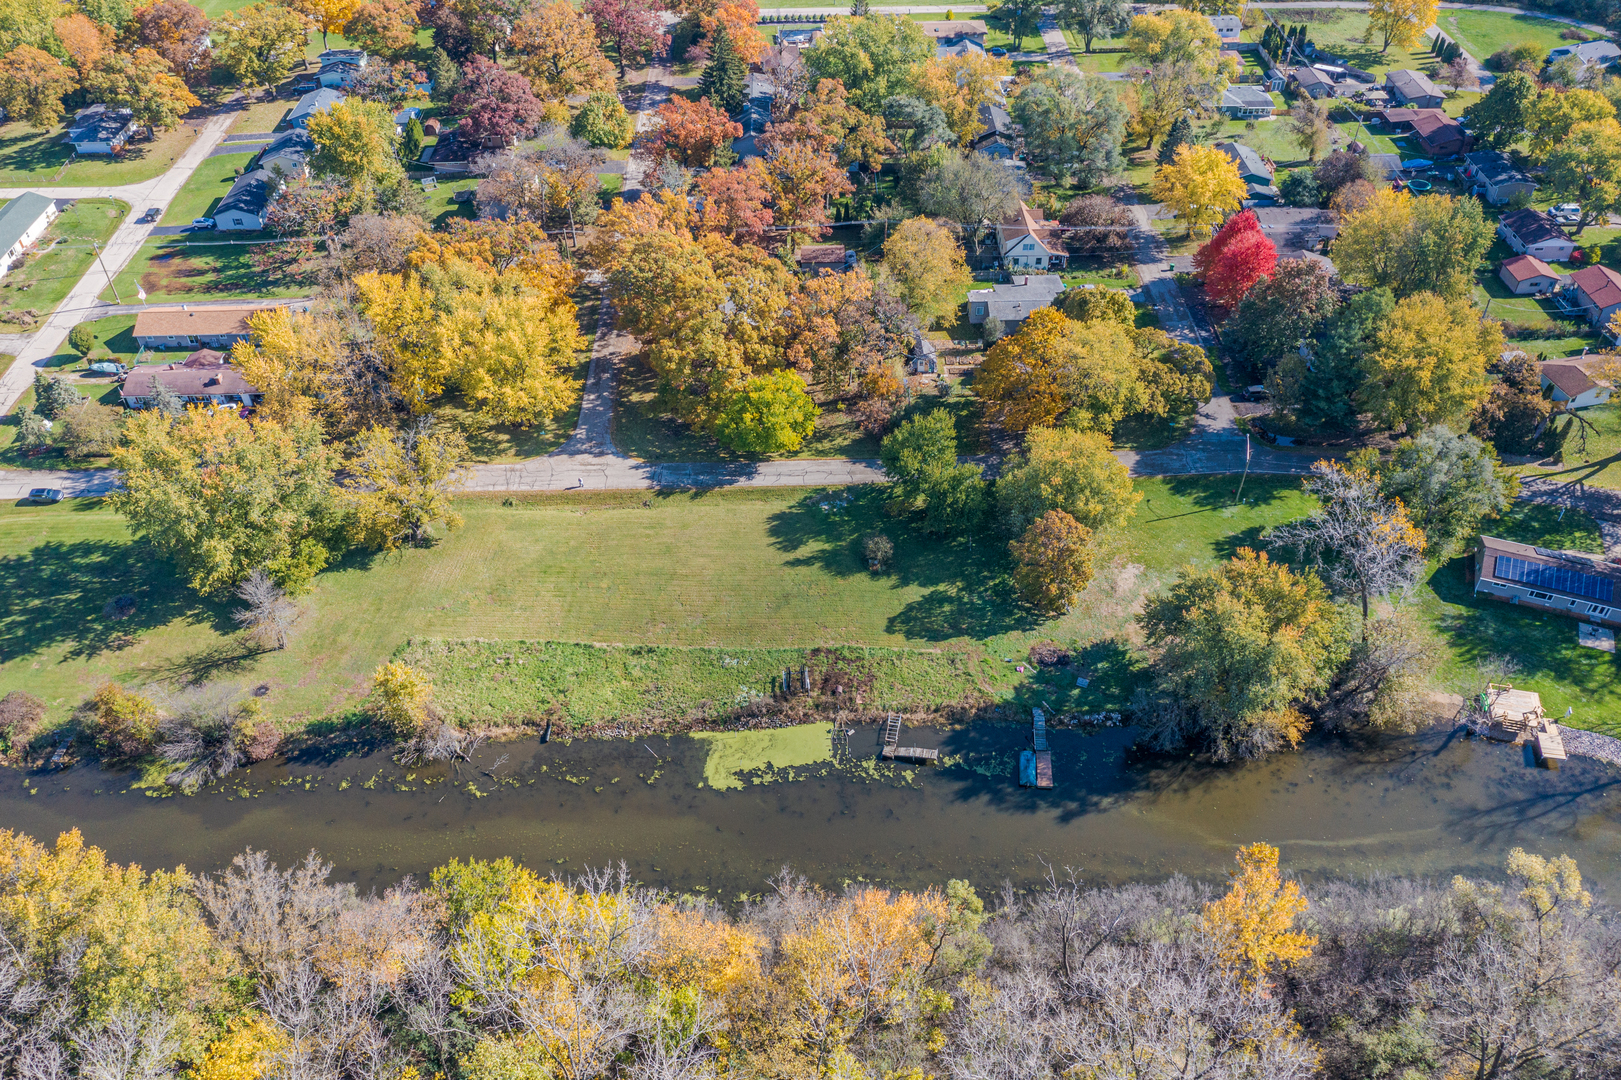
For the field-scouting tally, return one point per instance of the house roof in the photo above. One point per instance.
(98, 123)
(1026, 222)
(1527, 570)
(202, 374)
(965, 47)
(1248, 97)
(1588, 52)
(1227, 26)
(188, 321)
(1016, 299)
(352, 56)
(1429, 123)
(1599, 284)
(1411, 84)
(996, 120)
(820, 255)
(1496, 167)
(313, 102)
(250, 194)
(1568, 377)
(944, 30)
(19, 215)
(1249, 161)
(296, 143)
(1526, 267)
(1309, 76)
(1531, 226)
(1296, 227)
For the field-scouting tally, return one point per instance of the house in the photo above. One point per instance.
(357, 57)
(100, 130)
(1276, 80)
(814, 258)
(422, 81)
(1562, 582)
(1496, 176)
(338, 75)
(1588, 53)
(800, 37)
(1246, 102)
(1531, 232)
(288, 153)
(311, 103)
(1527, 275)
(205, 377)
(965, 47)
(403, 118)
(1227, 27)
(783, 65)
(1439, 134)
(1414, 89)
(450, 154)
(23, 221)
(994, 120)
(1313, 83)
(1252, 167)
(188, 327)
(1028, 240)
(1577, 380)
(949, 33)
(1013, 302)
(1597, 291)
(996, 146)
(244, 206)
(1297, 228)
(925, 357)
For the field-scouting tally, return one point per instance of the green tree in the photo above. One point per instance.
(90, 430)
(1586, 169)
(925, 268)
(1280, 311)
(1073, 124)
(1433, 243)
(1100, 305)
(1072, 471)
(1428, 362)
(1093, 19)
(1240, 648)
(411, 141)
(1500, 118)
(33, 431)
(265, 499)
(54, 398)
(770, 414)
(355, 141)
(1320, 389)
(1052, 562)
(82, 339)
(1181, 134)
(1450, 483)
(603, 121)
(402, 482)
(920, 459)
(875, 56)
(259, 44)
(725, 77)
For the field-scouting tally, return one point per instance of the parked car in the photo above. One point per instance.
(202, 223)
(998, 51)
(1568, 208)
(151, 215)
(45, 495)
(1256, 393)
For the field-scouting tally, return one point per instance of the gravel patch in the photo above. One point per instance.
(1591, 744)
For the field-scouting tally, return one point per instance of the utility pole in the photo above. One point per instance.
(95, 247)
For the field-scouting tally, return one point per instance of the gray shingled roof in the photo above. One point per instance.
(250, 194)
(19, 215)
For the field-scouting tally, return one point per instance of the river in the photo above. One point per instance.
(1433, 805)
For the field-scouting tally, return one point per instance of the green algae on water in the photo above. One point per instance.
(734, 752)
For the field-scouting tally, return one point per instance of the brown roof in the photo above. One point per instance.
(1582, 563)
(1025, 221)
(820, 255)
(1431, 121)
(958, 28)
(1531, 226)
(1600, 284)
(1526, 267)
(1574, 374)
(190, 321)
(192, 377)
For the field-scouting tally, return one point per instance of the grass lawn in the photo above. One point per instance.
(115, 339)
(744, 568)
(28, 156)
(1482, 33)
(1109, 271)
(261, 116)
(1537, 651)
(1343, 34)
(206, 187)
(1598, 462)
(441, 208)
(41, 283)
(205, 271)
(1101, 61)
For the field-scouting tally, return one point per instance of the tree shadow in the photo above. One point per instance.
(59, 593)
(219, 660)
(1222, 492)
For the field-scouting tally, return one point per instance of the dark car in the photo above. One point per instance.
(998, 51)
(151, 215)
(45, 495)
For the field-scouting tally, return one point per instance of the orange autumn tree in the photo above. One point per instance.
(691, 131)
(1254, 923)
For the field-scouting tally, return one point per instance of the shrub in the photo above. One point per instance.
(82, 339)
(1100, 305)
(878, 550)
(264, 741)
(993, 330)
(123, 722)
(1049, 654)
(403, 699)
(207, 737)
(53, 397)
(90, 431)
(21, 716)
(603, 121)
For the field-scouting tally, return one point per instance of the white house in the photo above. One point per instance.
(1246, 102)
(23, 221)
(1527, 275)
(1562, 582)
(1029, 241)
(100, 130)
(1572, 380)
(1531, 232)
(1598, 292)
(1602, 53)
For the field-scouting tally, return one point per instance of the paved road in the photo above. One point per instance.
(81, 301)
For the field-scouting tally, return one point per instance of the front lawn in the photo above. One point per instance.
(261, 117)
(66, 254)
(204, 189)
(206, 270)
(31, 157)
(1482, 33)
(1598, 461)
(1345, 34)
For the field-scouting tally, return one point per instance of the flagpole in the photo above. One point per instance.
(1246, 475)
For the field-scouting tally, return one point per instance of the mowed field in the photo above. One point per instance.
(740, 568)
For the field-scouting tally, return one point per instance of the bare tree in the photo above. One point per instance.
(272, 917)
(268, 614)
(129, 1046)
(206, 733)
(1364, 544)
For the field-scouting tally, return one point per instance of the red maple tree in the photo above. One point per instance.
(635, 28)
(1246, 259)
(692, 131)
(1236, 226)
(735, 202)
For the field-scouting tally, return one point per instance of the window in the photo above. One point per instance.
(1029, 247)
(1541, 596)
(236, 221)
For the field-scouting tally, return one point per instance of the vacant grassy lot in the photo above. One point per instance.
(1482, 33)
(206, 187)
(261, 116)
(206, 270)
(41, 283)
(1345, 35)
(28, 156)
(744, 569)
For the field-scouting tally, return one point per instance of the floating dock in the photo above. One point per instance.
(893, 751)
(1036, 766)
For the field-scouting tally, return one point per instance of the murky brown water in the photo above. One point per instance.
(1432, 805)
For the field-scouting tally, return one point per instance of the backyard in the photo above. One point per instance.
(39, 284)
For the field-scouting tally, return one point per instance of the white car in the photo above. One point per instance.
(1568, 209)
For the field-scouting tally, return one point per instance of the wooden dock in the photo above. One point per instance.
(893, 751)
(1036, 766)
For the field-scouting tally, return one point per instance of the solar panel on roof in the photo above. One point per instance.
(1559, 578)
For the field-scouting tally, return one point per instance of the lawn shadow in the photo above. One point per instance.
(219, 660)
(60, 593)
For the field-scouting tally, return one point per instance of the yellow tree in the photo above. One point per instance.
(355, 140)
(292, 357)
(402, 312)
(243, 1052)
(959, 85)
(403, 482)
(1253, 925)
(1429, 361)
(1201, 184)
(32, 85)
(404, 697)
(329, 16)
(1176, 37)
(513, 353)
(557, 48)
(925, 265)
(1401, 22)
(1053, 364)
(1555, 114)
